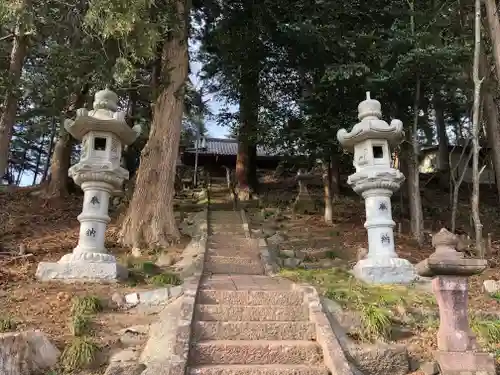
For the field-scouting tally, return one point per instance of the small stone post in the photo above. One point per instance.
(375, 180)
(458, 351)
(103, 132)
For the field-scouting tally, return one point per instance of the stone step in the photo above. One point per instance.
(251, 313)
(219, 259)
(258, 370)
(250, 297)
(237, 269)
(261, 352)
(239, 330)
(233, 252)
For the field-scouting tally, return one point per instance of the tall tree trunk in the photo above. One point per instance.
(443, 158)
(443, 154)
(475, 131)
(61, 158)
(53, 129)
(131, 154)
(38, 161)
(415, 203)
(253, 180)
(490, 105)
(246, 173)
(150, 220)
(8, 118)
(327, 187)
(492, 118)
(494, 31)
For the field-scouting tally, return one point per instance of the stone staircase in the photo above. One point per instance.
(246, 323)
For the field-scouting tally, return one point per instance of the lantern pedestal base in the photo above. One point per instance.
(81, 271)
(462, 363)
(385, 271)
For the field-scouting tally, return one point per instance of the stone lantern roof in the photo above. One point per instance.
(103, 118)
(371, 126)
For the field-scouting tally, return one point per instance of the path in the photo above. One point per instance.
(246, 323)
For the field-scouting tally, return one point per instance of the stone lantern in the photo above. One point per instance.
(103, 132)
(458, 351)
(375, 180)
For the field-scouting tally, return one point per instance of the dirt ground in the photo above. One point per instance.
(47, 230)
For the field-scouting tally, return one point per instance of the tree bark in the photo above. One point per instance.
(494, 31)
(253, 180)
(246, 172)
(415, 203)
(61, 158)
(475, 131)
(492, 118)
(53, 130)
(327, 187)
(150, 221)
(444, 161)
(490, 105)
(443, 154)
(8, 117)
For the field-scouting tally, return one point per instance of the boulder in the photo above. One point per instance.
(291, 262)
(165, 260)
(23, 353)
(117, 300)
(288, 253)
(330, 263)
(276, 239)
(135, 335)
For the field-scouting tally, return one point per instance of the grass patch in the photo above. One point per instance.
(495, 295)
(147, 268)
(375, 322)
(488, 331)
(165, 278)
(87, 305)
(79, 354)
(376, 304)
(338, 284)
(7, 325)
(80, 325)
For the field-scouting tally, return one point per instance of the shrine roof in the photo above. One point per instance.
(225, 146)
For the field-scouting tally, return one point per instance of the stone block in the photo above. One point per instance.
(81, 271)
(153, 297)
(156, 296)
(24, 353)
(385, 271)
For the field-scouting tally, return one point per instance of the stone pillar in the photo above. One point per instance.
(458, 351)
(103, 132)
(94, 217)
(375, 180)
(303, 202)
